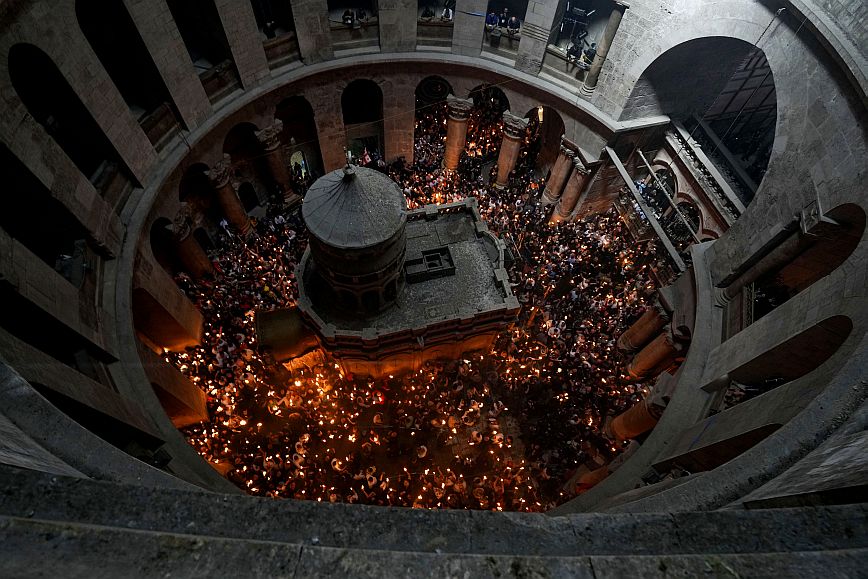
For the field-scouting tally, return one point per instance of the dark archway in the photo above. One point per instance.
(196, 190)
(248, 196)
(248, 159)
(432, 90)
(362, 106)
(36, 219)
(300, 132)
(729, 104)
(121, 50)
(54, 104)
(546, 128)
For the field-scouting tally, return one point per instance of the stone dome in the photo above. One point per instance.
(354, 208)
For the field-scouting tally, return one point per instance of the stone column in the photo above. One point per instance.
(269, 137)
(655, 357)
(245, 45)
(603, 49)
(228, 199)
(192, 256)
(397, 24)
(456, 130)
(643, 329)
(468, 27)
(559, 176)
(535, 32)
(514, 129)
(313, 30)
(572, 191)
(635, 421)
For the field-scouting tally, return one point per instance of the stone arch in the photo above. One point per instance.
(116, 41)
(196, 191)
(300, 131)
(489, 96)
(547, 124)
(362, 109)
(248, 159)
(248, 196)
(54, 233)
(52, 102)
(432, 90)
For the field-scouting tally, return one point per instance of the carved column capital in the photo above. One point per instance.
(182, 225)
(579, 167)
(270, 136)
(514, 127)
(459, 109)
(221, 171)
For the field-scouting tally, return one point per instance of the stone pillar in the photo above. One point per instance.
(192, 256)
(603, 49)
(653, 358)
(514, 129)
(468, 28)
(572, 191)
(633, 422)
(559, 176)
(313, 30)
(269, 137)
(456, 130)
(160, 34)
(397, 24)
(228, 199)
(535, 33)
(245, 44)
(643, 329)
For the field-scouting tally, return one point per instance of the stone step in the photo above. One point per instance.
(36, 548)
(30, 494)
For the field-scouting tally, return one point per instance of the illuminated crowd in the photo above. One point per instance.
(509, 429)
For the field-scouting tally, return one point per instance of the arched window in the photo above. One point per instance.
(54, 105)
(362, 106)
(202, 31)
(546, 127)
(300, 132)
(39, 221)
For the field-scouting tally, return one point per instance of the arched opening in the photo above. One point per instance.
(681, 226)
(484, 126)
(300, 136)
(196, 191)
(248, 196)
(431, 112)
(362, 106)
(729, 106)
(818, 257)
(354, 23)
(54, 105)
(435, 19)
(277, 28)
(273, 17)
(119, 47)
(163, 246)
(546, 128)
(504, 36)
(202, 32)
(248, 161)
(40, 222)
(298, 164)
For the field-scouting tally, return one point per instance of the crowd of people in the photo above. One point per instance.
(507, 429)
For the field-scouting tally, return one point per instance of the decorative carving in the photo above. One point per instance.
(270, 136)
(514, 127)
(579, 166)
(459, 109)
(220, 173)
(183, 222)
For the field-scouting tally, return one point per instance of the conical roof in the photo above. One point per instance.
(354, 207)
